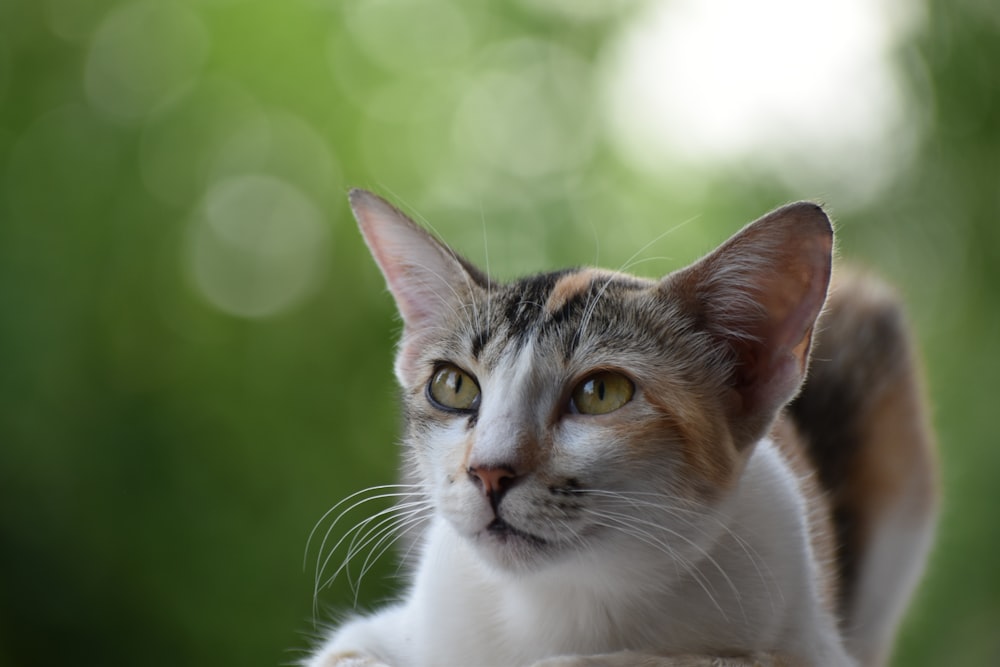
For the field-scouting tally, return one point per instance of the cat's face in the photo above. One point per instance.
(542, 410)
(586, 410)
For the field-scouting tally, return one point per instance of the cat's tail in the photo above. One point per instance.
(864, 416)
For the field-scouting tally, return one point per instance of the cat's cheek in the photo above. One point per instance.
(584, 450)
(439, 448)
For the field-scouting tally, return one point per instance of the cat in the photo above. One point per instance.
(623, 472)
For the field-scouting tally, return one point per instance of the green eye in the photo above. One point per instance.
(451, 388)
(601, 393)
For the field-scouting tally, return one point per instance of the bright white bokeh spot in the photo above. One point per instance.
(141, 54)
(805, 88)
(258, 246)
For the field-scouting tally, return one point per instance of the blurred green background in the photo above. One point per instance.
(195, 349)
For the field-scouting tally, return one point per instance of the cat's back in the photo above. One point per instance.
(861, 423)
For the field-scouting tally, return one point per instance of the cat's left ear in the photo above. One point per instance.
(758, 296)
(428, 280)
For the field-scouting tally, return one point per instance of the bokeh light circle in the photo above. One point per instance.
(411, 35)
(258, 246)
(76, 20)
(181, 144)
(522, 113)
(141, 54)
(283, 144)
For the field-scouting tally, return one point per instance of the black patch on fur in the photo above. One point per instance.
(601, 290)
(568, 308)
(479, 340)
(569, 487)
(526, 301)
(859, 349)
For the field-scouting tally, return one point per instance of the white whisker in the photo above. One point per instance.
(489, 279)
(635, 524)
(398, 530)
(371, 539)
(592, 302)
(380, 487)
(698, 514)
(329, 530)
(374, 532)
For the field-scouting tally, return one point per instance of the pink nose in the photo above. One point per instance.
(494, 481)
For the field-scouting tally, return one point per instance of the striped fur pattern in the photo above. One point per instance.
(701, 522)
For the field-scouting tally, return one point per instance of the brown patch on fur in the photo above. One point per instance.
(894, 464)
(863, 415)
(903, 463)
(466, 454)
(569, 286)
(709, 453)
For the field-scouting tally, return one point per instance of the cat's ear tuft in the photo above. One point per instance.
(759, 295)
(428, 280)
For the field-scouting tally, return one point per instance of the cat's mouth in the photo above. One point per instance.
(503, 531)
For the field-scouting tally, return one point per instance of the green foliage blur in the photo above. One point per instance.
(196, 350)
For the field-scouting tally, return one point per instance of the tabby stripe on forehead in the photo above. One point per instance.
(545, 299)
(527, 299)
(479, 339)
(568, 287)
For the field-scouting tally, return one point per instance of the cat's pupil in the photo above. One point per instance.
(600, 390)
(458, 383)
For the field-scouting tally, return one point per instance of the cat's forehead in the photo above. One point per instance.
(556, 309)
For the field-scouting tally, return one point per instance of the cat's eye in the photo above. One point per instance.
(601, 393)
(451, 388)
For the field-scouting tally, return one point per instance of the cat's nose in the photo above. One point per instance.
(493, 481)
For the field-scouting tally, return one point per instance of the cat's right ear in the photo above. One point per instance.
(428, 280)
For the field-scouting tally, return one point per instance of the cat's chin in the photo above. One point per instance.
(512, 549)
(503, 532)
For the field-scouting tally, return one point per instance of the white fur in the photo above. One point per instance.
(887, 580)
(758, 568)
(497, 434)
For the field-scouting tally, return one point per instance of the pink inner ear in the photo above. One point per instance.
(414, 264)
(761, 293)
(429, 282)
(791, 301)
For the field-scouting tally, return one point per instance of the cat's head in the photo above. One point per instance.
(546, 414)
